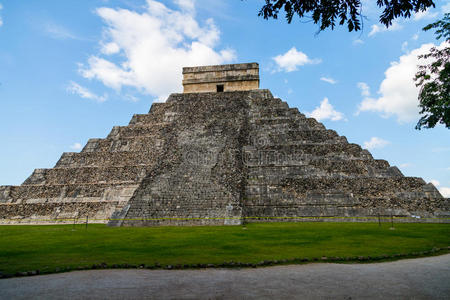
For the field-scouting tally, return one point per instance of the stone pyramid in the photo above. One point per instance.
(223, 152)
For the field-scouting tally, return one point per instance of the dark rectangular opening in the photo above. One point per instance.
(220, 88)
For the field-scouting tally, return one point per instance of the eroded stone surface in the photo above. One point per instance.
(227, 78)
(220, 158)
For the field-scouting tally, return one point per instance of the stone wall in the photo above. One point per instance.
(238, 85)
(5, 192)
(235, 77)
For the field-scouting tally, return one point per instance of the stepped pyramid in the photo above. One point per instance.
(222, 152)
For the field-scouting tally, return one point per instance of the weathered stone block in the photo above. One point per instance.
(222, 78)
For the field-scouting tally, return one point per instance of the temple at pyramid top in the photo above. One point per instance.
(221, 78)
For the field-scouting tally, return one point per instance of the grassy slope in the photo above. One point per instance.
(24, 248)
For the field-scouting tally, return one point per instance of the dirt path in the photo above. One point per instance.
(423, 278)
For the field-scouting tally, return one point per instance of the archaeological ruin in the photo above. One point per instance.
(222, 152)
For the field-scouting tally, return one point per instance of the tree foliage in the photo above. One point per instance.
(434, 79)
(327, 13)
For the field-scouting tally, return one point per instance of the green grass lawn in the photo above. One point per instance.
(44, 248)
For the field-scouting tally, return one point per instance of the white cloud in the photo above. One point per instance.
(375, 142)
(422, 15)
(155, 44)
(326, 112)
(398, 92)
(445, 192)
(358, 42)
(58, 32)
(83, 92)
(291, 60)
(377, 28)
(405, 165)
(415, 37)
(435, 182)
(76, 146)
(364, 87)
(110, 48)
(187, 5)
(328, 79)
(1, 20)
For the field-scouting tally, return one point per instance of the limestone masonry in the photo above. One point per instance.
(212, 157)
(223, 78)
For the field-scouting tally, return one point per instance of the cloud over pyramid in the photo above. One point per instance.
(222, 152)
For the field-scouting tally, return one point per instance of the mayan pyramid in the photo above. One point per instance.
(222, 152)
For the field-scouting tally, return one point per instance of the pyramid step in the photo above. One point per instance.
(270, 112)
(91, 145)
(153, 119)
(358, 186)
(157, 107)
(271, 105)
(319, 168)
(168, 116)
(135, 130)
(280, 113)
(362, 167)
(119, 174)
(138, 143)
(107, 159)
(264, 101)
(307, 172)
(329, 164)
(316, 136)
(143, 129)
(5, 191)
(285, 122)
(343, 150)
(71, 192)
(162, 114)
(255, 105)
(274, 196)
(184, 101)
(56, 213)
(143, 119)
(261, 94)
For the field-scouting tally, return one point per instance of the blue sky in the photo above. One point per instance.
(71, 70)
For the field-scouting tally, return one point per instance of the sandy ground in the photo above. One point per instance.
(423, 278)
